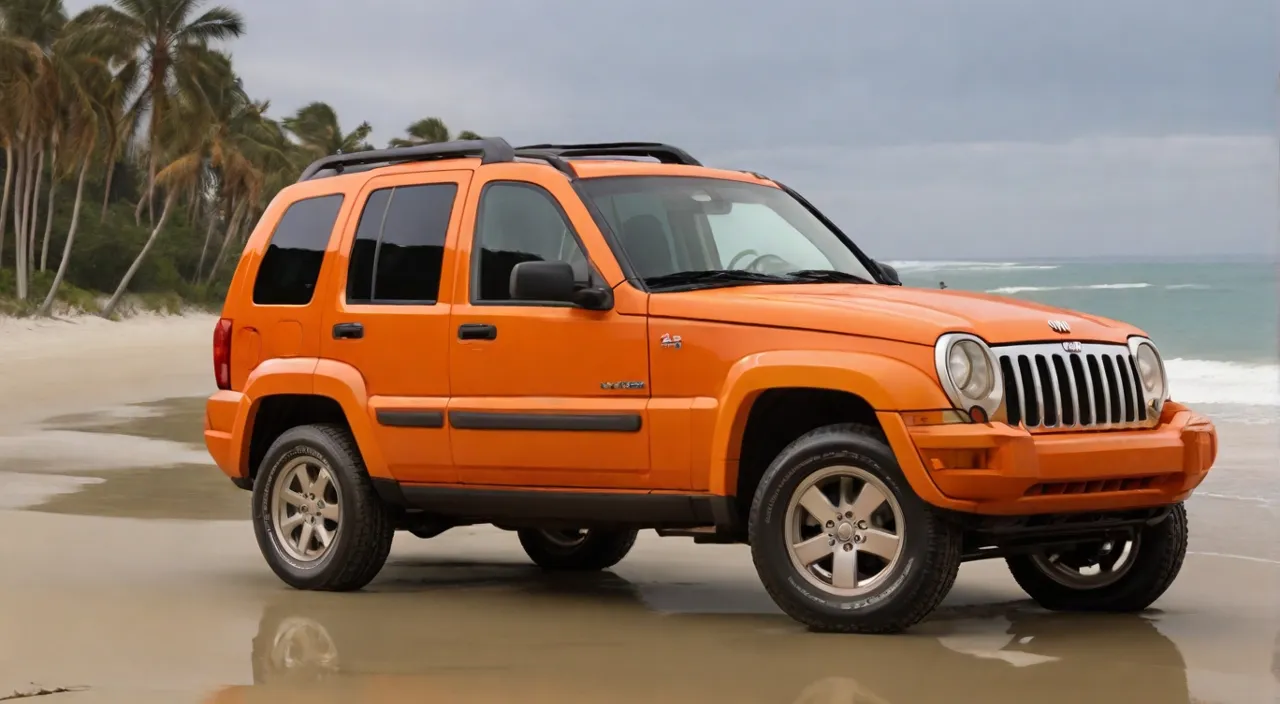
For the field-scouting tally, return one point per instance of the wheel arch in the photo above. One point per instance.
(283, 394)
(770, 399)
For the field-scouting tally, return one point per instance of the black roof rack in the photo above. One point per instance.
(664, 153)
(491, 150)
(494, 150)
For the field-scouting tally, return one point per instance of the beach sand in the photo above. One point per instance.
(129, 573)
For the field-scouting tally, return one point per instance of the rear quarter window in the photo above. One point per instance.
(291, 265)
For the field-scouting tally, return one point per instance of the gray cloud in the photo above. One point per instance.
(927, 125)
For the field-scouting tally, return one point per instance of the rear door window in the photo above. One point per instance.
(291, 265)
(399, 246)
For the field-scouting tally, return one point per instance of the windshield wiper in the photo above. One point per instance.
(724, 277)
(827, 276)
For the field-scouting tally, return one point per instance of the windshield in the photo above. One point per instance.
(678, 230)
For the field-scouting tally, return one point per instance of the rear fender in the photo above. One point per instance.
(307, 375)
(345, 384)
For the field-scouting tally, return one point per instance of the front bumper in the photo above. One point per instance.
(995, 469)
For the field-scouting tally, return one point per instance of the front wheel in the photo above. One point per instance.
(1107, 576)
(576, 550)
(840, 540)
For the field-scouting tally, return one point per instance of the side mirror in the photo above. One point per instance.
(542, 281)
(889, 273)
(554, 281)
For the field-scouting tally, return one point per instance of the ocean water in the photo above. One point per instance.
(1215, 323)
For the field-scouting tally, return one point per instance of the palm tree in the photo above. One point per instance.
(84, 55)
(183, 136)
(171, 44)
(30, 89)
(429, 130)
(316, 127)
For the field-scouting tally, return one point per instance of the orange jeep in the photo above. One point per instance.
(574, 342)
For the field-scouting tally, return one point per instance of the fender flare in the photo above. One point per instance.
(307, 375)
(887, 384)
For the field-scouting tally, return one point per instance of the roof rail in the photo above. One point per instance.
(664, 153)
(491, 150)
(551, 158)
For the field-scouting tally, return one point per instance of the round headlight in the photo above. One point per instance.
(959, 366)
(968, 373)
(1150, 368)
(970, 369)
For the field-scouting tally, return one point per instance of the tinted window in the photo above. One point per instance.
(399, 245)
(291, 265)
(520, 223)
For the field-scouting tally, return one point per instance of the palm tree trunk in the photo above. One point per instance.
(47, 306)
(110, 307)
(48, 222)
(33, 223)
(142, 201)
(151, 190)
(4, 200)
(111, 174)
(232, 227)
(28, 185)
(19, 195)
(208, 237)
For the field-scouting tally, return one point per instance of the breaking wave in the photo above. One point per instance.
(1206, 381)
(917, 266)
(1010, 290)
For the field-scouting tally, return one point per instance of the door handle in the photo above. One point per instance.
(348, 331)
(477, 331)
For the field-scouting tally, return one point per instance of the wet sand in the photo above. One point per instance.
(128, 569)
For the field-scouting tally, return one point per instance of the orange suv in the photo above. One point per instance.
(576, 342)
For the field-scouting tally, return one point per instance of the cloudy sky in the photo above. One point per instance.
(925, 128)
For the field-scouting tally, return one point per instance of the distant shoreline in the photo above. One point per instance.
(1241, 258)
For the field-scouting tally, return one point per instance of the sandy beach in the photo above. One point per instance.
(129, 573)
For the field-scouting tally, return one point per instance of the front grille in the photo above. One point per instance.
(1045, 386)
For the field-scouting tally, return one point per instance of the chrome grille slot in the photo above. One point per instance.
(1045, 386)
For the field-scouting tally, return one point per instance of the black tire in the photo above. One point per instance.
(595, 550)
(924, 572)
(1161, 551)
(363, 541)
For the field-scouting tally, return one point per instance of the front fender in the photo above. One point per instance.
(887, 384)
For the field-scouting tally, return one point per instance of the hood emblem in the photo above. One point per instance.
(1060, 326)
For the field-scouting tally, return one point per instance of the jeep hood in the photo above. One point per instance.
(913, 315)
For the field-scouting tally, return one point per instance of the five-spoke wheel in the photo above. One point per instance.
(842, 530)
(840, 540)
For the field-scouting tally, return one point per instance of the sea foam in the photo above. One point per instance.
(1237, 383)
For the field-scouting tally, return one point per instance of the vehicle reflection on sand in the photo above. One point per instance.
(592, 638)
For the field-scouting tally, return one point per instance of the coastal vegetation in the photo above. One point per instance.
(134, 162)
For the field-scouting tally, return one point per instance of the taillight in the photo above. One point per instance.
(222, 353)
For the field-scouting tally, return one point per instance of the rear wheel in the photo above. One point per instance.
(1114, 576)
(840, 540)
(576, 549)
(318, 520)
